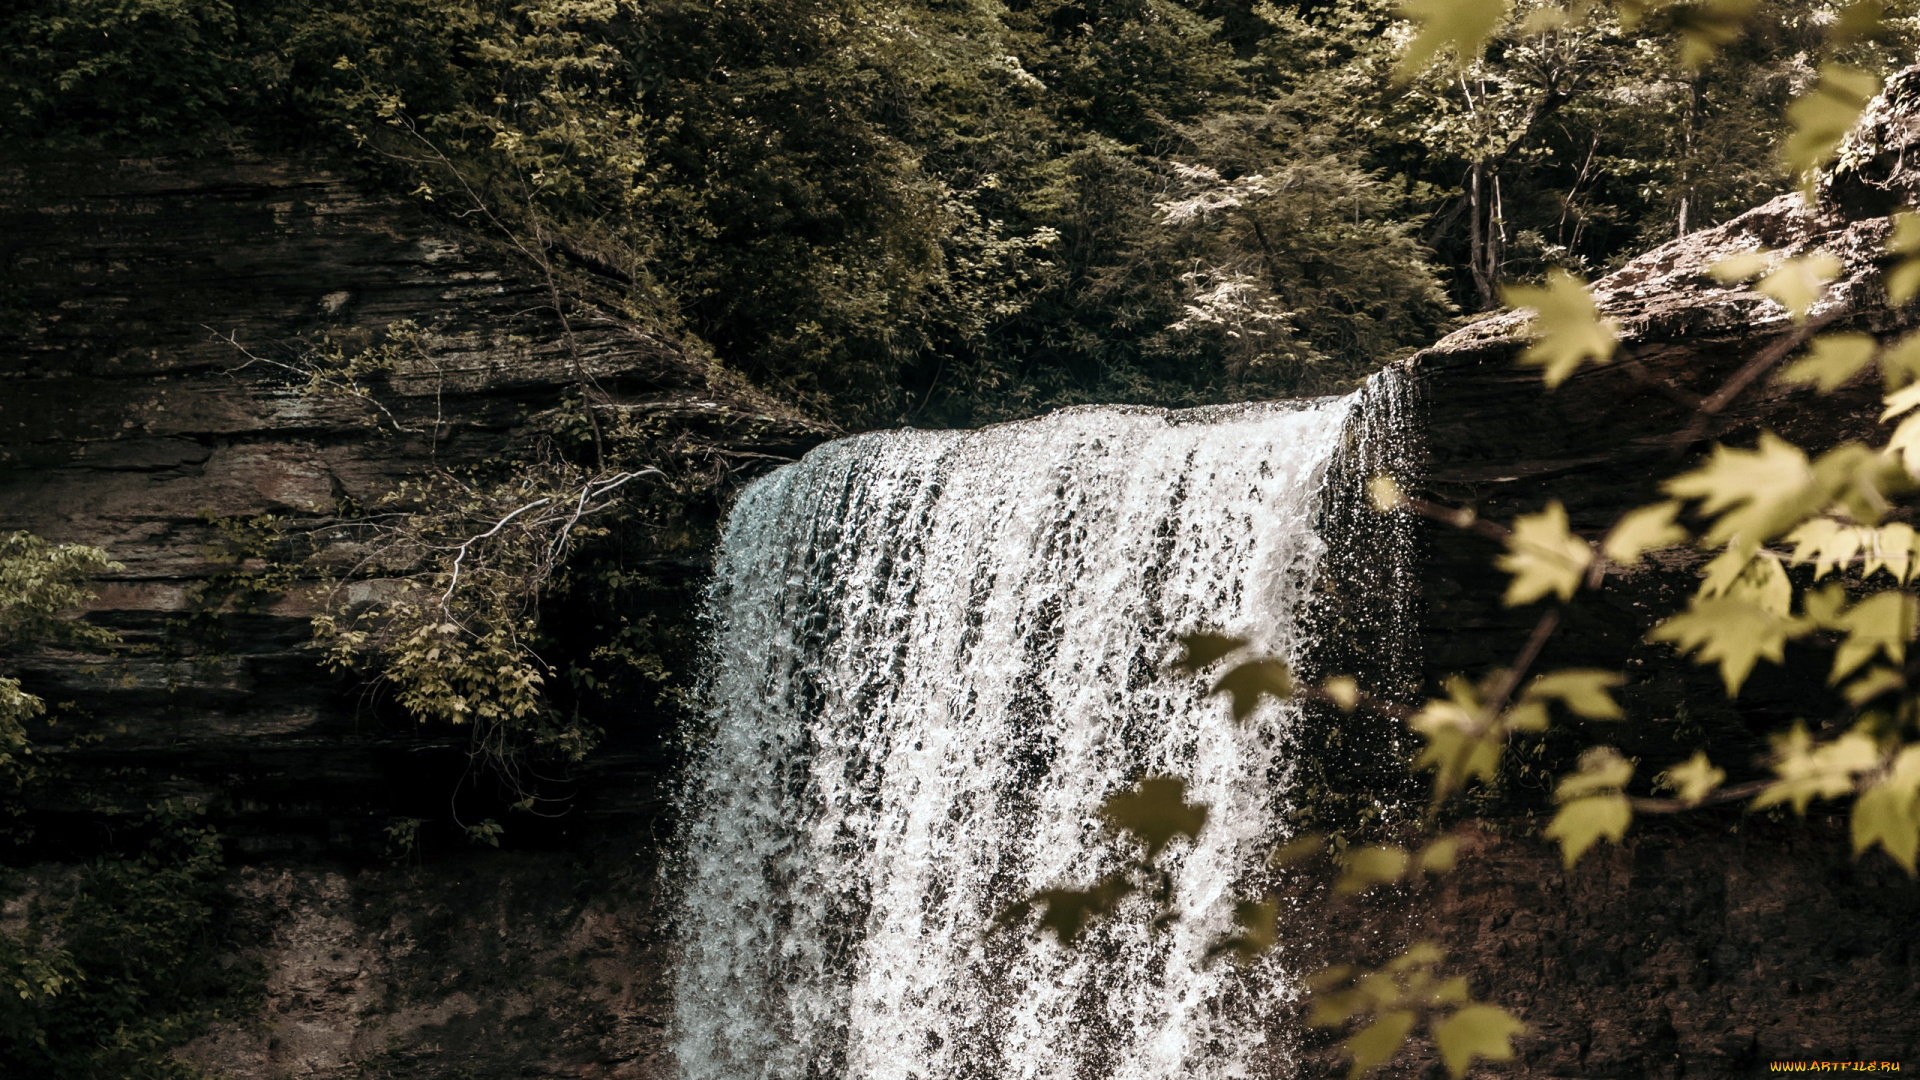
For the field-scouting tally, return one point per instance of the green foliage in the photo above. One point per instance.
(42, 586)
(108, 974)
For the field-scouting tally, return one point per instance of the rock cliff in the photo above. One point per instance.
(155, 321)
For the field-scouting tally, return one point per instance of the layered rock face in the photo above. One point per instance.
(1712, 946)
(156, 321)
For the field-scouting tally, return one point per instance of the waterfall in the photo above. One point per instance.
(935, 654)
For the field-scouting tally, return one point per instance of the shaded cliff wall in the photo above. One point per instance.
(131, 417)
(1711, 945)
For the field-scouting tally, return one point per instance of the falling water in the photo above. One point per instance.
(936, 653)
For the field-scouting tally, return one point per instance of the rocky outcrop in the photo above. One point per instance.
(158, 322)
(1710, 947)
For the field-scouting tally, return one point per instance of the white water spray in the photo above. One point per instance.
(936, 654)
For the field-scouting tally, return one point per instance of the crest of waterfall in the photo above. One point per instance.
(935, 654)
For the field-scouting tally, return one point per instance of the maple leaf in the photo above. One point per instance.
(1475, 1031)
(1888, 812)
(1544, 557)
(1067, 911)
(1831, 359)
(1823, 116)
(1567, 326)
(1375, 1044)
(1461, 25)
(1807, 772)
(1904, 446)
(1204, 648)
(1889, 547)
(1826, 543)
(1344, 691)
(1758, 578)
(1246, 682)
(1741, 266)
(1643, 529)
(1583, 822)
(1733, 631)
(1708, 26)
(1877, 681)
(1581, 690)
(1300, 847)
(1860, 19)
(1602, 770)
(1882, 623)
(1370, 866)
(1798, 284)
(1694, 779)
(1156, 810)
(1751, 493)
(1437, 857)
(1386, 495)
(1900, 361)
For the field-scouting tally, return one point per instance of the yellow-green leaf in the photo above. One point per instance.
(1246, 682)
(1438, 856)
(1544, 557)
(1904, 445)
(1462, 26)
(1900, 401)
(1694, 779)
(1889, 548)
(1602, 770)
(1823, 116)
(1067, 911)
(1860, 19)
(1904, 279)
(1807, 772)
(1644, 529)
(1762, 581)
(1831, 360)
(1344, 690)
(1741, 266)
(1734, 632)
(1567, 326)
(1300, 847)
(1900, 361)
(1756, 493)
(1707, 26)
(1882, 623)
(1798, 284)
(1258, 921)
(1374, 1045)
(1582, 690)
(1204, 648)
(1475, 1031)
(1878, 680)
(1156, 810)
(1888, 812)
(1370, 866)
(1827, 544)
(1386, 494)
(1583, 822)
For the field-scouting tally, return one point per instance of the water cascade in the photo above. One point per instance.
(935, 654)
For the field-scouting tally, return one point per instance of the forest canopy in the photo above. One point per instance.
(930, 212)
